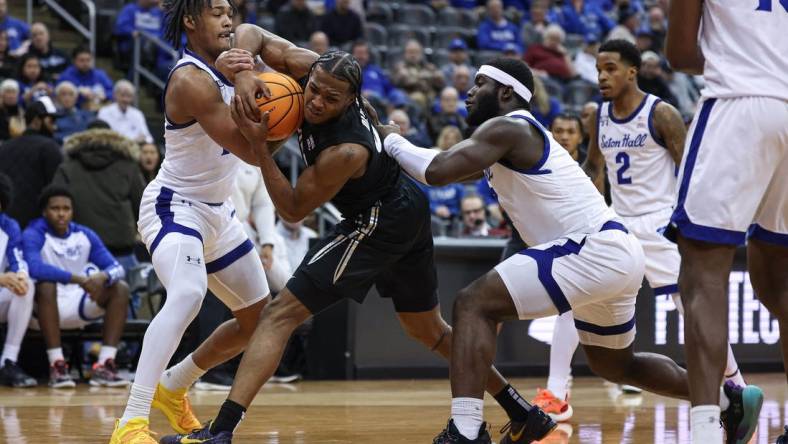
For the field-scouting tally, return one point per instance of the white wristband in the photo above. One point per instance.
(412, 159)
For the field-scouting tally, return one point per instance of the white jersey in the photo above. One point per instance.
(553, 199)
(746, 49)
(641, 173)
(195, 166)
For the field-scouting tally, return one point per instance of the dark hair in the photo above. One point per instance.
(517, 69)
(51, 191)
(343, 66)
(569, 116)
(6, 192)
(98, 124)
(176, 10)
(81, 49)
(357, 43)
(628, 51)
(23, 61)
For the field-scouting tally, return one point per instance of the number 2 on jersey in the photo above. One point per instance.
(623, 159)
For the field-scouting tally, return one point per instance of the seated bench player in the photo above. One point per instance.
(77, 282)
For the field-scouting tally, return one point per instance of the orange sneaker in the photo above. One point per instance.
(558, 409)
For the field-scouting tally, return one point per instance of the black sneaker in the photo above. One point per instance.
(12, 375)
(536, 427)
(59, 375)
(203, 435)
(783, 439)
(741, 417)
(451, 435)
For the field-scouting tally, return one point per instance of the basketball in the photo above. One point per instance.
(286, 105)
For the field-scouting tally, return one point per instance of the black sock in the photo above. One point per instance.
(228, 418)
(516, 407)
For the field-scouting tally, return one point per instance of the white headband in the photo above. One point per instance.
(505, 79)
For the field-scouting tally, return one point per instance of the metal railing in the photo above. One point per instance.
(89, 33)
(137, 67)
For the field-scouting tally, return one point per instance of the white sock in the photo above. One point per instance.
(139, 402)
(107, 352)
(732, 372)
(705, 420)
(55, 354)
(468, 414)
(10, 352)
(565, 341)
(724, 401)
(182, 375)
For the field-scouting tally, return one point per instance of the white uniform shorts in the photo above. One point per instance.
(238, 283)
(734, 175)
(597, 276)
(74, 306)
(662, 256)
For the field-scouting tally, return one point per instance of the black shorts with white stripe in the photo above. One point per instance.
(389, 245)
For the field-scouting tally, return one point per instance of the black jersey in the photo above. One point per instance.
(382, 174)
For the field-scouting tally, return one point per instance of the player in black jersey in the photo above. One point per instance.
(384, 239)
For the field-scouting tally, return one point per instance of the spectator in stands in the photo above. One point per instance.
(296, 22)
(12, 115)
(150, 161)
(496, 31)
(449, 136)
(141, 15)
(650, 78)
(18, 31)
(342, 24)
(296, 237)
(247, 12)
(16, 293)
(123, 117)
(543, 106)
(585, 61)
(644, 40)
(40, 89)
(458, 56)
(256, 212)
(374, 82)
(588, 118)
(318, 42)
(628, 24)
(444, 200)
(72, 119)
(567, 130)
(53, 60)
(77, 282)
(467, 4)
(512, 51)
(461, 81)
(102, 170)
(551, 57)
(583, 18)
(418, 77)
(684, 89)
(29, 74)
(474, 217)
(658, 27)
(446, 114)
(93, 84)
(411, 133)
(9, 64)
(31, 159)
(536, 23)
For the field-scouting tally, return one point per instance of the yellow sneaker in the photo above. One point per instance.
(176, 407)
(135, 431)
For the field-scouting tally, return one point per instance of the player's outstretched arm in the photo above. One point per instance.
(488, 144)
(316, 185)
(594, 165)
(192, 95)
(682, 47)
(671, 129)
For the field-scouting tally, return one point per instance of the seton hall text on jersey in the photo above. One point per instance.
(638, 141)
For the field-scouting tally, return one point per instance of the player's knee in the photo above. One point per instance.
(468, 303)
(46, 292)
(428, 334)
(280, 314)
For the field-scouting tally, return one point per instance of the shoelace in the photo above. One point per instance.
(129, 438)
(445, 434)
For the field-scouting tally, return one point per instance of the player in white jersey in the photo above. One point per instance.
(583, 257)
(189, 225)
(733, 181)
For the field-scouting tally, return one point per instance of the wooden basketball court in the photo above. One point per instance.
(370, 412)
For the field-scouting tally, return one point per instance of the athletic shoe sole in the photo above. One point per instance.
(121, 383)
(211, 387)
(284, 379)
(752, 400)
(63, 384)
(631, 389)
(562, 417)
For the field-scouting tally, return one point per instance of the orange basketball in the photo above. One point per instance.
(286, 105)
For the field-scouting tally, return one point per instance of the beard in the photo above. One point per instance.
(486, 108)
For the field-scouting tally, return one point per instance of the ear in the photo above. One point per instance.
(505, 93)
(189, 22)
(633, 72)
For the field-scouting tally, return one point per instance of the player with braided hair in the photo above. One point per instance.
(384, 238)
